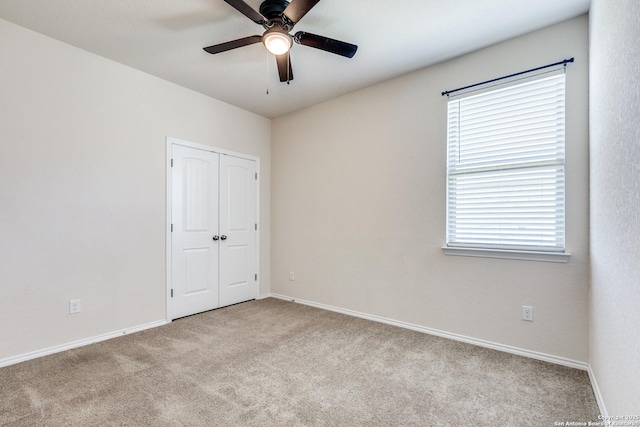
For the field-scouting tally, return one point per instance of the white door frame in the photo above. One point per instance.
(171, 141)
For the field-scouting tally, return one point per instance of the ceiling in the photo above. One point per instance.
(165, 38)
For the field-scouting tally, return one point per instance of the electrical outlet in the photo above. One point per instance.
(291, 276)
(74, 306)
(527, 313)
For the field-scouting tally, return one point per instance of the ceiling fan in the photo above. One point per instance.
(278, 18)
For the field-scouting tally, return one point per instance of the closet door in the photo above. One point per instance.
(238, 269)
(194, 244)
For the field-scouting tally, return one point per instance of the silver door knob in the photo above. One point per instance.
(215, 237)
(223, 237)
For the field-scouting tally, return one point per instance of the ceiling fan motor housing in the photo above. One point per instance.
(272, 9)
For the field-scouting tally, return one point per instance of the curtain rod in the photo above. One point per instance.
(563, 62)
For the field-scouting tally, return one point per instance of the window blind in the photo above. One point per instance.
(505, 168)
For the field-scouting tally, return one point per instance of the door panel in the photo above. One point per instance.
(194, 215)
(198, 273)
(197, 189)
(237, 221)
(238, 264)
(238, 197)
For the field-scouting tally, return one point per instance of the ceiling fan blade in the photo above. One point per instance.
(326, 44)
(223, 47)
(298, 8)
(247, 11)
(284, 67)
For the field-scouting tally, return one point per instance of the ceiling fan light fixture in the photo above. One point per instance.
(277, 41)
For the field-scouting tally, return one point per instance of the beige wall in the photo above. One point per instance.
(82, 188)
(358, 207)
(615, 203)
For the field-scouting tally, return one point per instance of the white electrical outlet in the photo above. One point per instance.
(291, 276)
(74, 306)
(527, 313)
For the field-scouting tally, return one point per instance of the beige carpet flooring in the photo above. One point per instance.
(277, 363)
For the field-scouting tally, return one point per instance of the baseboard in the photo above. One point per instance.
(79, 343)
(598, 394)
(482, 343)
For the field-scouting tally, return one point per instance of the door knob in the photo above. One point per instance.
(223, 237)
(215, 237)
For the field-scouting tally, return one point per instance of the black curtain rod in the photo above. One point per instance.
(563, 62)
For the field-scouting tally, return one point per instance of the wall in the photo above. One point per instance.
(358, 207)
(615, 203)
(82, 188)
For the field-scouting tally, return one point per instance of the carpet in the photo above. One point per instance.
(277, 363)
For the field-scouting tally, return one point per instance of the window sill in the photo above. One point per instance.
(561, 257)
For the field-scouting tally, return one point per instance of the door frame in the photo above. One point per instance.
(169, 142)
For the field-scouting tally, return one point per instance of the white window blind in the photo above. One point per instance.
(505, 172)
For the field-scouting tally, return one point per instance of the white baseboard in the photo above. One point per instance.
(598, 394)
(482, 343)
(79, 343)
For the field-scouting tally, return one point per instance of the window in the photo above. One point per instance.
(506, 169)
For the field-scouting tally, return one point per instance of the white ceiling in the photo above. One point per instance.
(165, 38)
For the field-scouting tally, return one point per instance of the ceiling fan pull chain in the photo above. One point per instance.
(267, 62)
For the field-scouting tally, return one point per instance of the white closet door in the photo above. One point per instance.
(238, 281)
(194, 215)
